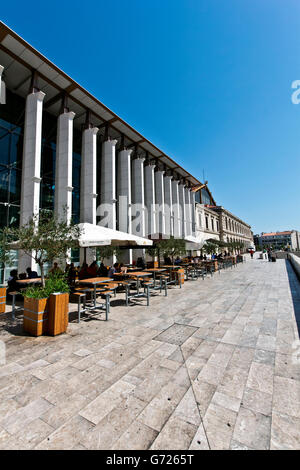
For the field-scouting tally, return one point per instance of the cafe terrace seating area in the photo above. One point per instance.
(95, 296)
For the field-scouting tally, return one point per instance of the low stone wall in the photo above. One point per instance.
(295, 261)
(285, 254)
(281, 254)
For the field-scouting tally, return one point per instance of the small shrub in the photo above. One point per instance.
(56, 282)
(35, 293)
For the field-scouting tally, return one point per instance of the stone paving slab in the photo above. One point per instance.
(215, 365)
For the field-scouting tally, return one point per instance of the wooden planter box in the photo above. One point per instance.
(180, 276)
(58, 314)
(215, 264)
(35, 319)
(2, 299)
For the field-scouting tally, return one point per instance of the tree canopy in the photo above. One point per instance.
(44, 238)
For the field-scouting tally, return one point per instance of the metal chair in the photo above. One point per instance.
(80, 296)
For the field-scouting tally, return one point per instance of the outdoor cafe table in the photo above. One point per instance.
(172, 267)
(139, 275)
(26, 282)
(155, 271)
(95, 281)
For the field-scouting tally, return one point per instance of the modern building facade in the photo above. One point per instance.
(289, 239)
(63, 150)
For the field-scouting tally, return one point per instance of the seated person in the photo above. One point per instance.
(93, 269)
(71, 274)
(123, 269)
(140, 263)
(31, 274)
(83, 273)
(177, 260)
(12, 281)
(112, 270)
(102, 271)
(68, 267)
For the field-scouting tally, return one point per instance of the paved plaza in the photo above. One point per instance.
(215, 365)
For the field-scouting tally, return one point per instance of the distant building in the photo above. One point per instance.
(216, 222)
(232, 228)
(279, 240)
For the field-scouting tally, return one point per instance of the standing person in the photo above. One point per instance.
(55, 269)
(269, 254)
(251, 253)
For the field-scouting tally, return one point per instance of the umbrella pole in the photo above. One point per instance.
(84, 256)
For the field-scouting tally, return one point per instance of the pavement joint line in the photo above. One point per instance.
(191, 385)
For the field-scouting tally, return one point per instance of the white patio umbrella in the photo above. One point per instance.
(193, 243)
(96, 235)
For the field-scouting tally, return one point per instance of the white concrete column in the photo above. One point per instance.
(188, 214)
(160, 202)
(169, 216)
(108, 185)
(2, 87)
(31, 167)
(193, 207)
(150, 200)
(138, 198)
(124, 191)
(176, 209)
(88, 186)
(63, 167)
(181, 189)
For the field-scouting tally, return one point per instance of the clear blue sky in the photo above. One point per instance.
(207, 81)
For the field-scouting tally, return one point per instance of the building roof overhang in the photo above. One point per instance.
(21, 60)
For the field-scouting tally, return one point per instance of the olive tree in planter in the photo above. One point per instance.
(172, 247)
(105, 252)
(153, 252)
(45, 238)
(210, 247)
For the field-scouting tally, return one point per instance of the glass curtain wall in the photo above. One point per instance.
(11, 148)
